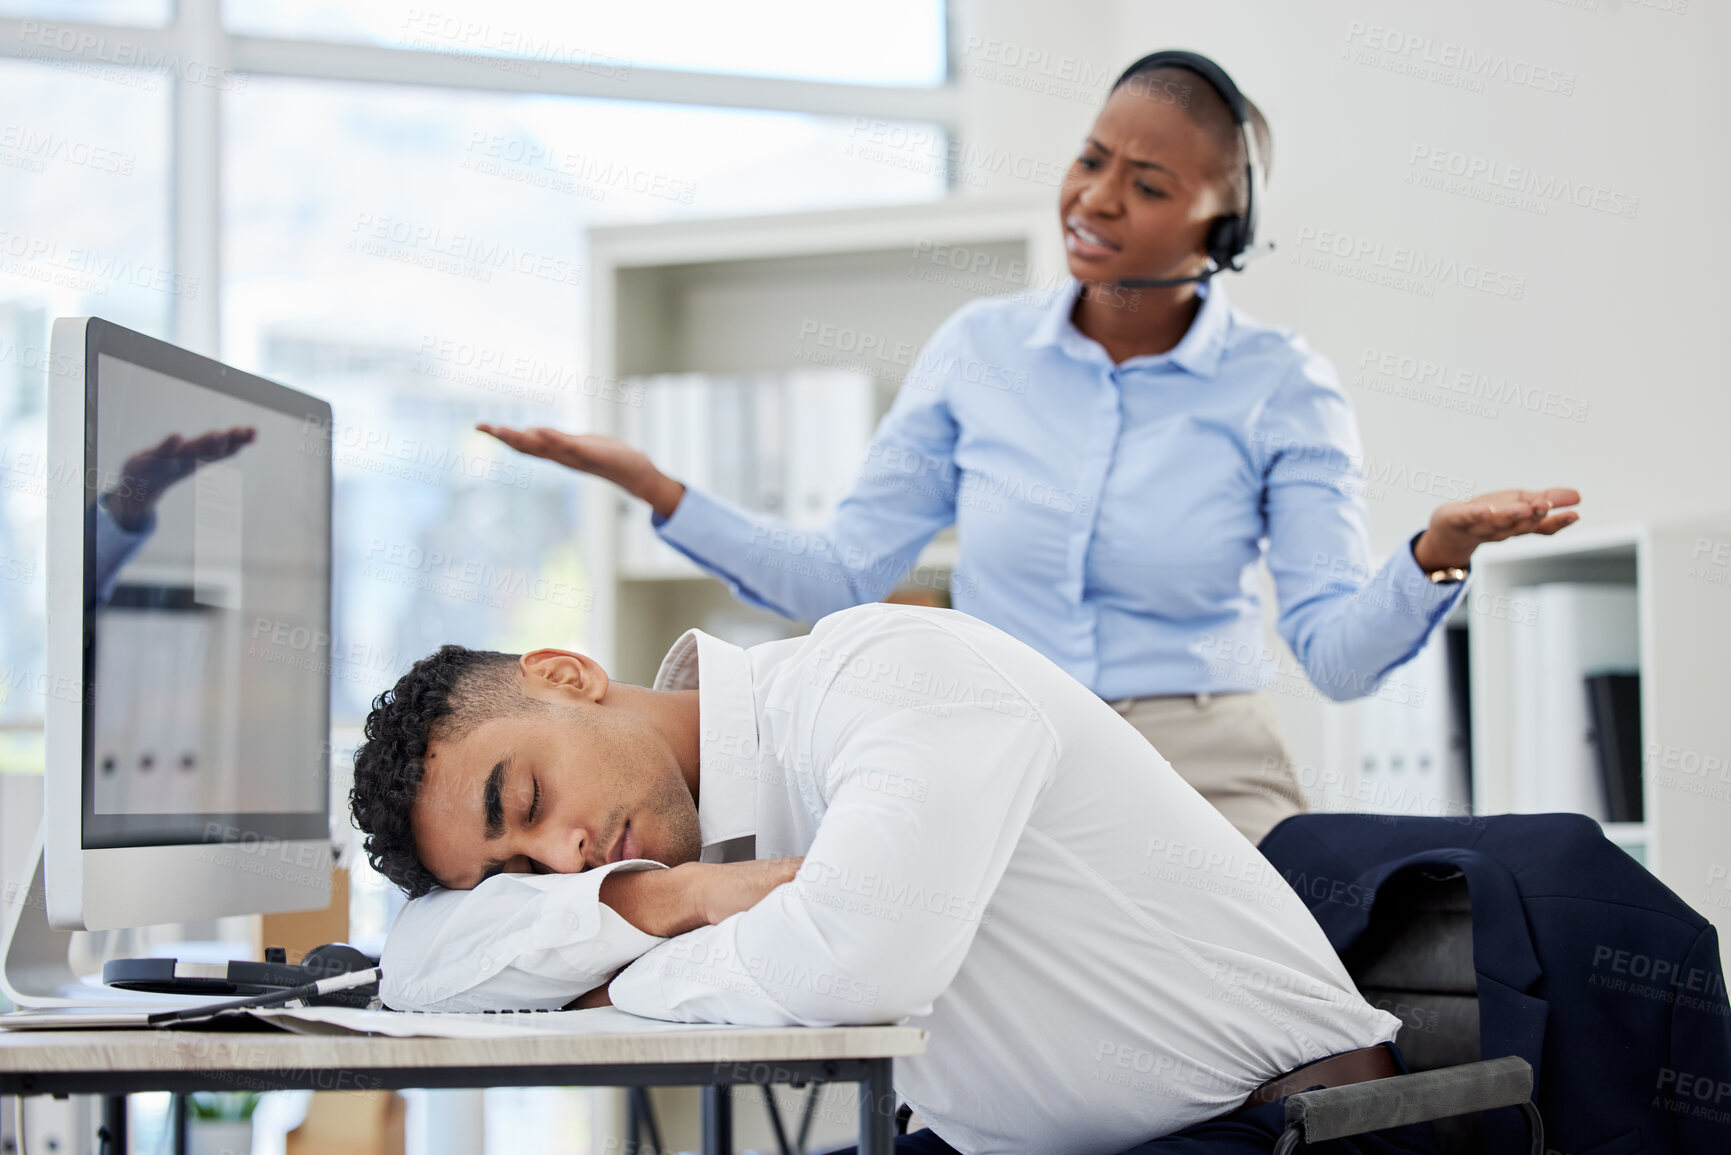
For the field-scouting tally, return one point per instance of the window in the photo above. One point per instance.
(414, 254)
(887, 42)
(417, 257)
(83, 227)
(147, 13)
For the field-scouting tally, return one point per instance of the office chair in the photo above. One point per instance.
(1415, 961)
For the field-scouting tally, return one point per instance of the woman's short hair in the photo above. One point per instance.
(1208, 110)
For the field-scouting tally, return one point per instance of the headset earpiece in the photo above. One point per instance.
(1226, 240)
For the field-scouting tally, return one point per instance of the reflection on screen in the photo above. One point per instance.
(209, 600)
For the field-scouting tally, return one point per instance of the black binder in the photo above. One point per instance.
(1614, 712)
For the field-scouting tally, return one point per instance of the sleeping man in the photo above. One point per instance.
(906, 815)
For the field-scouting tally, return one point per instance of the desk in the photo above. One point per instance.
(115, 1063)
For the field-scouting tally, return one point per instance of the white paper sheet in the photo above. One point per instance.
(522, 1024)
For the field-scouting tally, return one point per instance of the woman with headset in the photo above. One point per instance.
(1111, 513)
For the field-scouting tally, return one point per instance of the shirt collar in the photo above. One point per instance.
(1198, 353)
(729, 759)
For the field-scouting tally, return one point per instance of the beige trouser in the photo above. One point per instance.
(1227, 746)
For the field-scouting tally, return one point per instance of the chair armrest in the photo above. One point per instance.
(1394, 1102)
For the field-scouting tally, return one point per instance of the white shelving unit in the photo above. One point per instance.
(755, 294)
(1683, 601)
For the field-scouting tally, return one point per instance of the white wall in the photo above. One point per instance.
(1620, 313)
(1033, 74)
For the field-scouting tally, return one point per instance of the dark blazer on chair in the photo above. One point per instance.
(1588, 967)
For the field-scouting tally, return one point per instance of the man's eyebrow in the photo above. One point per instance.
(1137, 163)
(492, 799)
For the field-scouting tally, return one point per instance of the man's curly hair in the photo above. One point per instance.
(443, 696)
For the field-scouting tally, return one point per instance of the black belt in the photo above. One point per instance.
(1342, 1070)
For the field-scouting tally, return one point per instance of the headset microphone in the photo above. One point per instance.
(1213, 270)
(1167, 282)
(1231, 239)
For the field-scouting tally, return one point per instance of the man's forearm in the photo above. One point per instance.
(693, 894)
(658, 902)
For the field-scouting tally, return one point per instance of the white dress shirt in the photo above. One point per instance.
(991, 853)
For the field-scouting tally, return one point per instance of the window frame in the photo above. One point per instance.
(204, 59)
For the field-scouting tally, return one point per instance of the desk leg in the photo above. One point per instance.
(114, 1138)
(877, 1110)
(718, 1120)
(177, 1121)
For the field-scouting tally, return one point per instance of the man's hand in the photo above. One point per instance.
(605, 457)
(669, 902)
(599, 997)
(1459, 527)
(731, 887)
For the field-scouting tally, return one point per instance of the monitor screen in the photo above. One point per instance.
(207, 604)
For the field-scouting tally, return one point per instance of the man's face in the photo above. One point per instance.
(555, 790)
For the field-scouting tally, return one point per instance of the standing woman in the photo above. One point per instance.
(1112, 512)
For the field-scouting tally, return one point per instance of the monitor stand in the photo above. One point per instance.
(37, 967)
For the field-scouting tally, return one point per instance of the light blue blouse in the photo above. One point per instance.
(1111, 516)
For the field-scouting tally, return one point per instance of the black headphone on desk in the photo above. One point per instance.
(1231, 237)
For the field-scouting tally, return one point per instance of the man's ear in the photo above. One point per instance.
(563, 675)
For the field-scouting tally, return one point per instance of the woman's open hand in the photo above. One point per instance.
(1459, 527)
(605, 457)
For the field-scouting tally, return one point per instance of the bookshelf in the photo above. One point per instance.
(847, 291)
(1680, 573)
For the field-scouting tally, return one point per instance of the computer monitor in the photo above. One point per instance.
(188, 715)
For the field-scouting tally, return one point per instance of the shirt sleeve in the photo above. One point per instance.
(905, 493)
(919, 821)
(515, 942)
(1348, 626)
(115, 547)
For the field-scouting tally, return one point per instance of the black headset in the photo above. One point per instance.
(1229, 237)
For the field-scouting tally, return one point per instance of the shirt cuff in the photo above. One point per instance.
(577, 924)
(637, 990)
(702, 526)
(1412, 581)
(116, 546)
(722, 539)
(113, 541)
(517, 941)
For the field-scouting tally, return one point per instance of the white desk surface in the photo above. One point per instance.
(71, 1052)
